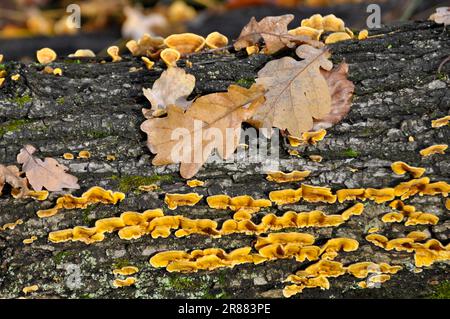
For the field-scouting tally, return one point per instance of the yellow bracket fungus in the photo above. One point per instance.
(216, 40)
(309, 138)
(377, 239)
(363, 34)
(15, 77)
(328, 23)
(68, 156)
(436, 188)
(443, 121)
(315, 194)
(380, 195)
(281, 177)
(84, 154)
(46, 56)
(309, 32)
(175, 200)
(350, 194)
(330, 250)
(195, 183)
(30, 240)
(393, 217)
(170, 57)
(355, 210)
(434, 149)
(11, 226)
(118, 283)
(148, 188)
(237, 203)
(57, 72)
(38, 195)
(363, 269)
(92, 196)
(126, 271)
(146, 45)
(185, 43)
(337, 37)
(373, 230)
(286, 196)
(402, 168)
(30, 289)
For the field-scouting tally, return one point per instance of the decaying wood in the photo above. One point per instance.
(97, 107)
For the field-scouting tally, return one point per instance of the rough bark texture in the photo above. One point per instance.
(97, 107)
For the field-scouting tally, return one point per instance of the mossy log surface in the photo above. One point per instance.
(97, 107)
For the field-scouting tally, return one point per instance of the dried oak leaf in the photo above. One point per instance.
(442, 16)
(341, 90)
(46, 173)
(11, 175)
(189, 137)
(274, 32)
(173, 87)
(297, 92)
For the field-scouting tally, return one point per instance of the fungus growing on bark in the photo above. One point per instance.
(402, 168)
(363, 269)
(411, 188)
(185, 43)
(418, 236)
(328, 23)
(363, 34)
(447, 204)
(30, 240)
(148, 188)
(148, 63)
(393, 217)
(82, 53)
(57, 71)
(195, 183)
(318, 219)
(419, 218)
(15, 77)
(11, 226)
(373, 230)
(126, 271)
(436, 188)
(237, 203)
(302, 283)
(286, 196)
(2, 80)
(170, 57)
(216, 40)
(30, 289)
(434, 149)
(355, 210)
(198, 226)
(281, 177)
(93, 195)
(315, 194)
(380, 195)
(316, 158)
(253, 49)
(330, 250)
(132, 232)
(337, 37)
(350, 194)
(118, 283)
(301, 239)
(84, 154)
(46, 56)
(113, 52)
(400, 244)
(175, 200)
(309, 32)
(377, 239)
(146, 45)
(443, 121)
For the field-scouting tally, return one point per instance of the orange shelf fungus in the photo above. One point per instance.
(330, 250)
(302, 283)
(57, 71)
(443, 121)
(170, 57)
(126, 271)
(148, 188)
(38, 195)
(315, 194)
(175, 200)
(328, 23)
(373, 230)
(84, 154)
(437, 188)
(363, 269)
(379, 279)
(237, 203)
(30, 289)
(430, 252)
(11, 226)
(46, 56)
(199, 226)
(318, 219)
(15, 77)
(419, 218)
(355, 210)
(113, 52)
(309, 32)
(407, 189)
(301, 239)
(377, 239)
(281, 177)
(350, 194)
(286, 196)
(30, 240)
(132, 232)
(216, 40)
(337, 37)
(418, 236)
(195, 183)
(434, 149)
(326, 268)
(380, 195)
(148, 63)
(118, 283)
(185, 43)
(60, 236)
(400, 244)
(92, 196)
(68, 156)
(309, 138)
(402, 168)
(393, 217)
(363, 34)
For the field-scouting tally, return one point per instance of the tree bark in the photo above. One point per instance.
(97, 107)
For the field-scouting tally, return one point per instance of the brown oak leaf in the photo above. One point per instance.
(46, 173)
(274, 32)
(442, 16)
(11, 175)
(173, 87)
(297, 92)
(341, 90)
(212, 122)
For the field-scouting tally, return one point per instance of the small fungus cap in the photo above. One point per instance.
(170, 57)
(185, 43)
(337, 37)
(216, 40)
(46, 55)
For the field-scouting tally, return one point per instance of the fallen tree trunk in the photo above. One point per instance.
(97, 107)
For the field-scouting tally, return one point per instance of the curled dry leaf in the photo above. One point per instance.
(442, 16)
(341, 90)
(11, 175)
(173, 87)
(46, 173)
(297, 92)
(274, 32)
(212, 122)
